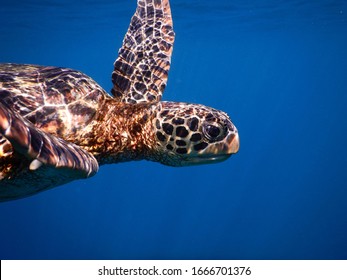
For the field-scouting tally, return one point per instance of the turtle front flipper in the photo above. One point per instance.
(38, 161)
(141, 70)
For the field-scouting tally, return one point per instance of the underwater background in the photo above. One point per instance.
(278, 68)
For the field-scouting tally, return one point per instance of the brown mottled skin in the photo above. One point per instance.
(124, 133)
(58, 125)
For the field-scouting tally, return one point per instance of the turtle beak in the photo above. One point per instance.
(232, 144)
(218, 152)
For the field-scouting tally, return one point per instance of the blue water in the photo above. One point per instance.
(279, 68)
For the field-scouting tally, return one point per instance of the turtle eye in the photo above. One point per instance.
(213, 132)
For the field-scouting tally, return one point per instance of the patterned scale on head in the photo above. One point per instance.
(190, 134)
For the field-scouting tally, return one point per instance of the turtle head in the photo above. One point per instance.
(191, 134)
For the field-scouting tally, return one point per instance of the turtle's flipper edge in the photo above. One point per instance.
(39, 160)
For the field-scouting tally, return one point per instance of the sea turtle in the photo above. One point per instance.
(58, 125)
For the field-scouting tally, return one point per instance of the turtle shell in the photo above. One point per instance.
(56, 100)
